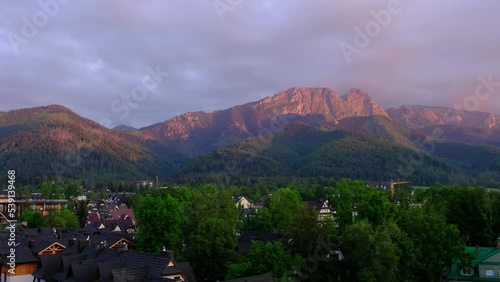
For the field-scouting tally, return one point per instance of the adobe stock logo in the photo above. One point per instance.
(363, 38)
(31, 26)
(224, 6)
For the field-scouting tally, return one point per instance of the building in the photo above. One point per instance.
(485, 266)
(35, 201)
(243, 202)
(325, 212)
(85, 254)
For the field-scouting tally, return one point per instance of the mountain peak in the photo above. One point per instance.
(363, 104)
(124, 127)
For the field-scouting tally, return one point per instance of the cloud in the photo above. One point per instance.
(89, 54)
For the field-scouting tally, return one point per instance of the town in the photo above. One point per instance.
(290, 233)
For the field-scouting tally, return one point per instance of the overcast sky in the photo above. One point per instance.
(86, 55)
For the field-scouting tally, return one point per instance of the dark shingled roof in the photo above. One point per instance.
(66, 263)
(49, 266)
(127, 274)
(85, 270)
(155, 264)
(187, 270)
(245, 240)
(23, 255)
(315, 204)
(258, 278)
(104, 269)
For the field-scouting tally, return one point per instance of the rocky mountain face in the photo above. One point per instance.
(319, 106)
(54, 141)
(445, 124)
(424, 116)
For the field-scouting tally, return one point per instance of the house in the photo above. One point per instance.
(485, 266)
(35, 202)
(25, 261)
(112, 217)
(243, 202)
(123, 212)
(95, 263)
(261, 202)
(86, 254)
(4, 219)
(325, 212)
(144, 184)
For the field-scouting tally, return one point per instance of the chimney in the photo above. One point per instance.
(166, 253)
(498, 242)
(478, 249)
(31, 244)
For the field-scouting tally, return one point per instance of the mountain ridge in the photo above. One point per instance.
(36, 138)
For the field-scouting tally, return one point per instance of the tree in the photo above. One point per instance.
(210, 232)
(270, 257)
(372, 253)
(211, 247)
(72, 190)
(51, 190)
(81, 212)
(159, 222)
(342, 201)
(282, 206)
(306, 231)
(429, 244)
(34, 219)
(61, 218)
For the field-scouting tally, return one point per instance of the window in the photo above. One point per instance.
(489, 272)
(467, 271)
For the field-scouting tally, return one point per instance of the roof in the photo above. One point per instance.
(315, 204)
(482, 253)
(257, 278)
(122, 213)
(126, 274)
(85, 270)
(245, 240)
(49, 266)
(104, 269)
(187, 270)
(23, 255)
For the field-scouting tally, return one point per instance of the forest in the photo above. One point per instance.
(414, 236)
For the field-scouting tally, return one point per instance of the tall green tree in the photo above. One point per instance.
(34, 219)
(270, 257)
(429, 243)
(81, 212)
(210, 232)
(51, 190)
(72, 190)
(282, 206)
(372, 253)
(159, 221)
(62, 218)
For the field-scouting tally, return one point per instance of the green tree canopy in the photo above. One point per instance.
(270, 257)
(159, 222)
